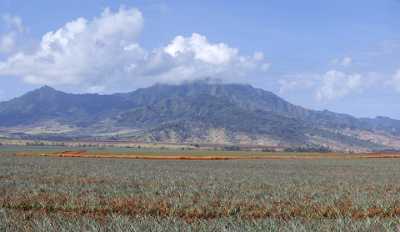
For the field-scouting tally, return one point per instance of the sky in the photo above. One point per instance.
(340, 55)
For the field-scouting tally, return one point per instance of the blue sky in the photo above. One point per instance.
(338, 55)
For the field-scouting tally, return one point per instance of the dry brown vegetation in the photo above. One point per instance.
(45, 204)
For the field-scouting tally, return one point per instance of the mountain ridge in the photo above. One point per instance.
(200, 112)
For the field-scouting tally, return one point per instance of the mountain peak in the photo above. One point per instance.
(46, 88)
(44, 92)
(208, 81)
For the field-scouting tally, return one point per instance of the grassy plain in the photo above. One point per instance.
(52, 193)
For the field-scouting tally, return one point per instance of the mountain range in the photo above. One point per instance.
(201, 112)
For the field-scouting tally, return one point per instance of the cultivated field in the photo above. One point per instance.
(48, 191)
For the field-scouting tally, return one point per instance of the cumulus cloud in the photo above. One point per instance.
(200, 49)
(81, 52)
(103, 54)
(195, 57)
(336, 84)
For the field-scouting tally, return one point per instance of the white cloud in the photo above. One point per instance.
(331, 85)
(7, 43)
(198, 47)
(14, 23)
(258, 56)
(81, 52)
(194, 57)
(396, 80)
(14, 28)
(336, 84)
(103, 55)
(297, 83)
(344, 62)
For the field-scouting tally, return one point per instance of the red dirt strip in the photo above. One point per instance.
(84, 154)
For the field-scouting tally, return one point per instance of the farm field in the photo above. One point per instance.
(43, 191)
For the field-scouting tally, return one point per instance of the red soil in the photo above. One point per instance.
(84, 154)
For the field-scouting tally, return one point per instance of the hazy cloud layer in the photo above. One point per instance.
(14, 22)
(103, 54)
(7, 43)
(13, 30)
(344, 62)
(299, 82)
(396, 80)
(338, 84)
(329, 86)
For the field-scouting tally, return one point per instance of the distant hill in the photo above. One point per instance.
(195, 112)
